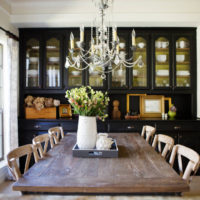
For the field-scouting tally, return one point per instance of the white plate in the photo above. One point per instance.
(33, 72)
(33, 59)
(162, 72)
(53, 59)
(182, 73)
(51, 47)
(75, 73)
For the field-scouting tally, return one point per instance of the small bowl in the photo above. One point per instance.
(135, 72)
(141, 45)
(122, 45)
(33, 59)
(180, 58)
(161, 58)
(75, 73)
(53, 59)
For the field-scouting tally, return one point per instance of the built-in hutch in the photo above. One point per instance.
(169, 57)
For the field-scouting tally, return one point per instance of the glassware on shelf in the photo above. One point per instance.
(139, 72)
(182, 62)
(32, 63)
(75, 75)
(162, 66)
(119, 74)
(53, 62)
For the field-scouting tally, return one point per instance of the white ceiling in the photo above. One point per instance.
(70, 13)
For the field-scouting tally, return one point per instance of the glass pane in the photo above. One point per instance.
(53, 63)
(182, 62)
(32, 63)
(140, 71)
(162, 65)
(119, 74)
(75, 75)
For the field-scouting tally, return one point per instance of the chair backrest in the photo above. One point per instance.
(167, 140)
(55, 133)
(148, 132)
(25, 150)
(37, 142)
(190, 154)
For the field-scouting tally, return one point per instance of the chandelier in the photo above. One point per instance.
(103, 55)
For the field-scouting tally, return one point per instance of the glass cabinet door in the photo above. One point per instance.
(53, 63)
(32, 63)
(95, 79)
(139, 71)
(182, 62)
(162, 63)
(75, 75)
(119, 74)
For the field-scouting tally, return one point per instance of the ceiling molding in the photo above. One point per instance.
(6, 6)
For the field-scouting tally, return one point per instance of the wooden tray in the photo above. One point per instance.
(94, 153)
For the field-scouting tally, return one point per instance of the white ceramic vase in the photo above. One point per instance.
(87, 132)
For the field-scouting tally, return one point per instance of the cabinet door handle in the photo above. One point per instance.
(130, 127)
(36, 126)
(177, 127)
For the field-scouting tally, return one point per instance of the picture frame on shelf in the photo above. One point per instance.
(152, 106)
(65, 110)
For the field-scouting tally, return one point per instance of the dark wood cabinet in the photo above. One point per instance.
(169, 57)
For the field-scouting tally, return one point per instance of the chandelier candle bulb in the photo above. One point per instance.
(82, 33)
(114, 33)
(72, 40)
(133, 37)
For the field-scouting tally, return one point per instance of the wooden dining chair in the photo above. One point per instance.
(163, 139)
(148, 132)
(37, 142)
(55, 133)
(25, 150)
(188, 153)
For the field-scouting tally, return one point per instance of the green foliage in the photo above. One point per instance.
(87, 102)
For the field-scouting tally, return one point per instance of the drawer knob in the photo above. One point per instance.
(130, 127)
(177, 127)
(36, 126)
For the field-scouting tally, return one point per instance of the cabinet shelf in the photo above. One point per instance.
(183, 63)
(182, 49)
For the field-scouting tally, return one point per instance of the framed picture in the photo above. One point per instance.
(65, 110)
(152, 106)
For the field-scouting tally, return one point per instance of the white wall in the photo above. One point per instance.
(5, 21)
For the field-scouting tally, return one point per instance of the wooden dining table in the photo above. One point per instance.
(139, 169)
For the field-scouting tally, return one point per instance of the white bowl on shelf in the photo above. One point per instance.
(122, 45)
(182, 73)
(53, 59)
(75, 73)
(35, 47)
(33, 72)
(51, 47)
(180, 58)
(135, 72)
(162, 72)
(94, 73)
(161, 58)
(33, 59)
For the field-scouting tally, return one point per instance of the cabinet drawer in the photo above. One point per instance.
(34, 125)
(178, 126)
(70, 126)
